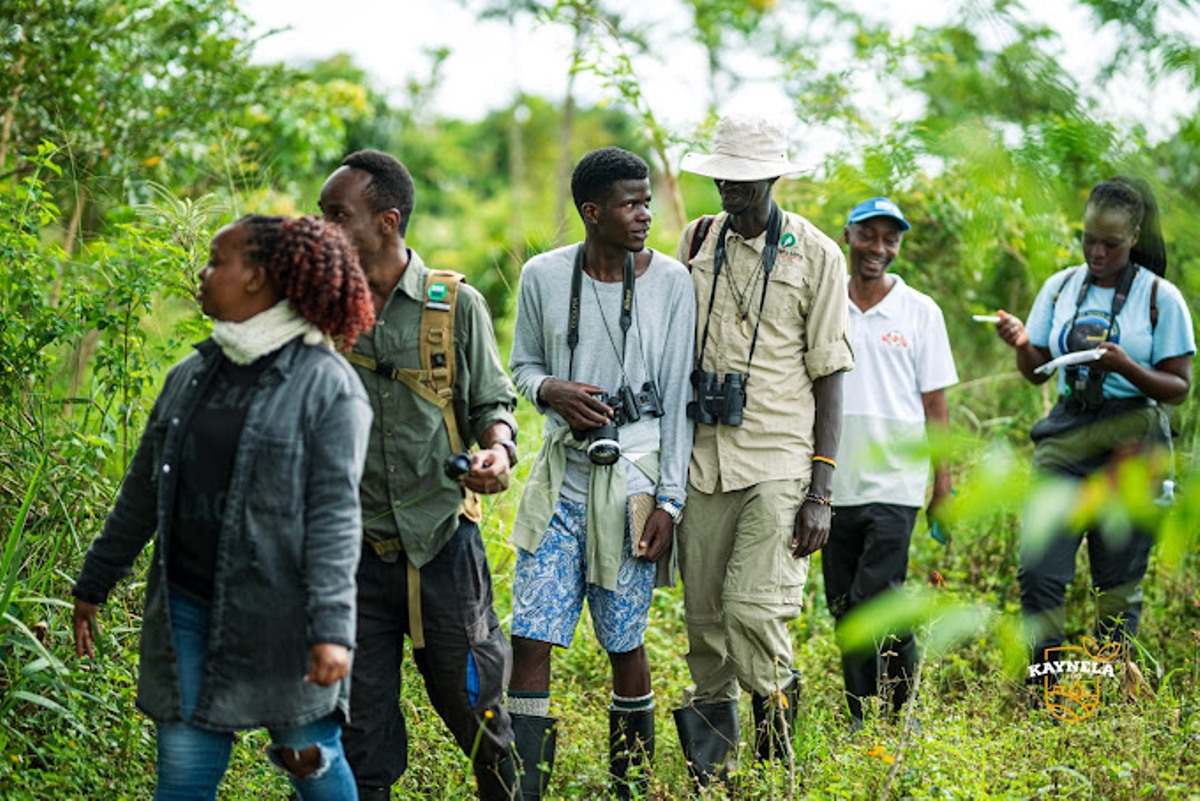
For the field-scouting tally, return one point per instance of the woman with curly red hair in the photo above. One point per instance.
(248, 474)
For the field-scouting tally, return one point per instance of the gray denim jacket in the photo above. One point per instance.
(289, 547)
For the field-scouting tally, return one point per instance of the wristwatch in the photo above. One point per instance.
(671, 507)
(510, 448)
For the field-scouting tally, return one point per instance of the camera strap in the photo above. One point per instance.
(770, 252)
(576, 293)
(1120, 295)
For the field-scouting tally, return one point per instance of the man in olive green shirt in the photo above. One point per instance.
(772, 342)
(425, 571)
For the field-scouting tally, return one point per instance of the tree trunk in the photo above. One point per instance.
(516, 179)
(10, 115)
(566, 131)
(69, 239)
(678, 214)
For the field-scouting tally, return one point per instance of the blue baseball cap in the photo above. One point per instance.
(878, 207)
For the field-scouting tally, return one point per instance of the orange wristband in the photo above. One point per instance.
(826, 460)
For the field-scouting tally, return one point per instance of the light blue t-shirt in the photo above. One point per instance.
(1053, 329)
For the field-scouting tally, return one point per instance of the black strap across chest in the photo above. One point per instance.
(1120, 295)
(770, 252)
(626, 319)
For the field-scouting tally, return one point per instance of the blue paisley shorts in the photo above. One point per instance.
(550, 585)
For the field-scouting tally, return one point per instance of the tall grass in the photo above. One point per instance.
(68, 729)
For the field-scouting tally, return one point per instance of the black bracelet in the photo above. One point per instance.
(821, 499)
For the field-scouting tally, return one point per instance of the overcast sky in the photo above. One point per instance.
(491, 61)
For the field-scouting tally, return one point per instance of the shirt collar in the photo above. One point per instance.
(412, 280)
(888, 307)
(757, 243)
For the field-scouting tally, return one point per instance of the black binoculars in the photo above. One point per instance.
(1085, 388)
(718, 399)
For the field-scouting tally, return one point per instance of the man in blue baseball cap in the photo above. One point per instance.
(878, 207)
(895, 393)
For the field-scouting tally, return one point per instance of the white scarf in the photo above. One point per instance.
(265, 332)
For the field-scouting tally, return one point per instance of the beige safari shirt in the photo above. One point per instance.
(803, 335)
(404, 491)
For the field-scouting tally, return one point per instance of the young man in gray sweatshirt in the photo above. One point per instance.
(603, 347)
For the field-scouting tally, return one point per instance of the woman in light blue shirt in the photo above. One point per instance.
(1132, 335)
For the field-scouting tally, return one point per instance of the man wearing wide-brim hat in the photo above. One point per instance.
(771, 345)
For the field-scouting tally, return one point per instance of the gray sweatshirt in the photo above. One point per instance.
(658, 347)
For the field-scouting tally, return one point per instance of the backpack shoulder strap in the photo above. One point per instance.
(437, 329)
(699, 234)
(1063, 285)
(1154, 303)
(438, 365)
(434, 381)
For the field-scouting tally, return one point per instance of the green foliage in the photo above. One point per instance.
(118, 85)
(465, 199)
(80, 367)
(128, 131)
(27, 282)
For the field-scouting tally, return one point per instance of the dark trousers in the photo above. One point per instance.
(1118, 562)
(466, 660)
(867, 553)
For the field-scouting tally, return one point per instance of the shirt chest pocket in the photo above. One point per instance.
(277, 476)
(398, 343)
(786, 295)
(702, 279)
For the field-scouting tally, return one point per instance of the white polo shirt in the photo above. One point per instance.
(901, 350)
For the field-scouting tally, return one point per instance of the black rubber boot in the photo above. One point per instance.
(630, 752)
(774, 720)
(498, 781)
(898, 664)
(860, 675)
(534, 738)
(374, 793)
(708, 734)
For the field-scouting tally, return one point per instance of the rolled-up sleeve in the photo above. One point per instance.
(827, 346)
(490, 395)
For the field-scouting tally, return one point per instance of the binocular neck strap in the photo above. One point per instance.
(576, 293)
(1120, 295)
(770, 252)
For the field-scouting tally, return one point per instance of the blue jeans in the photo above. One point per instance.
(191, 761)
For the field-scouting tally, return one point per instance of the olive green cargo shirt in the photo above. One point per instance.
(404, 491)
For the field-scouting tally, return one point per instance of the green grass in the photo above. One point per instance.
(978, 739)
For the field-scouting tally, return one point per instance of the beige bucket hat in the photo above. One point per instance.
(747, 148)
